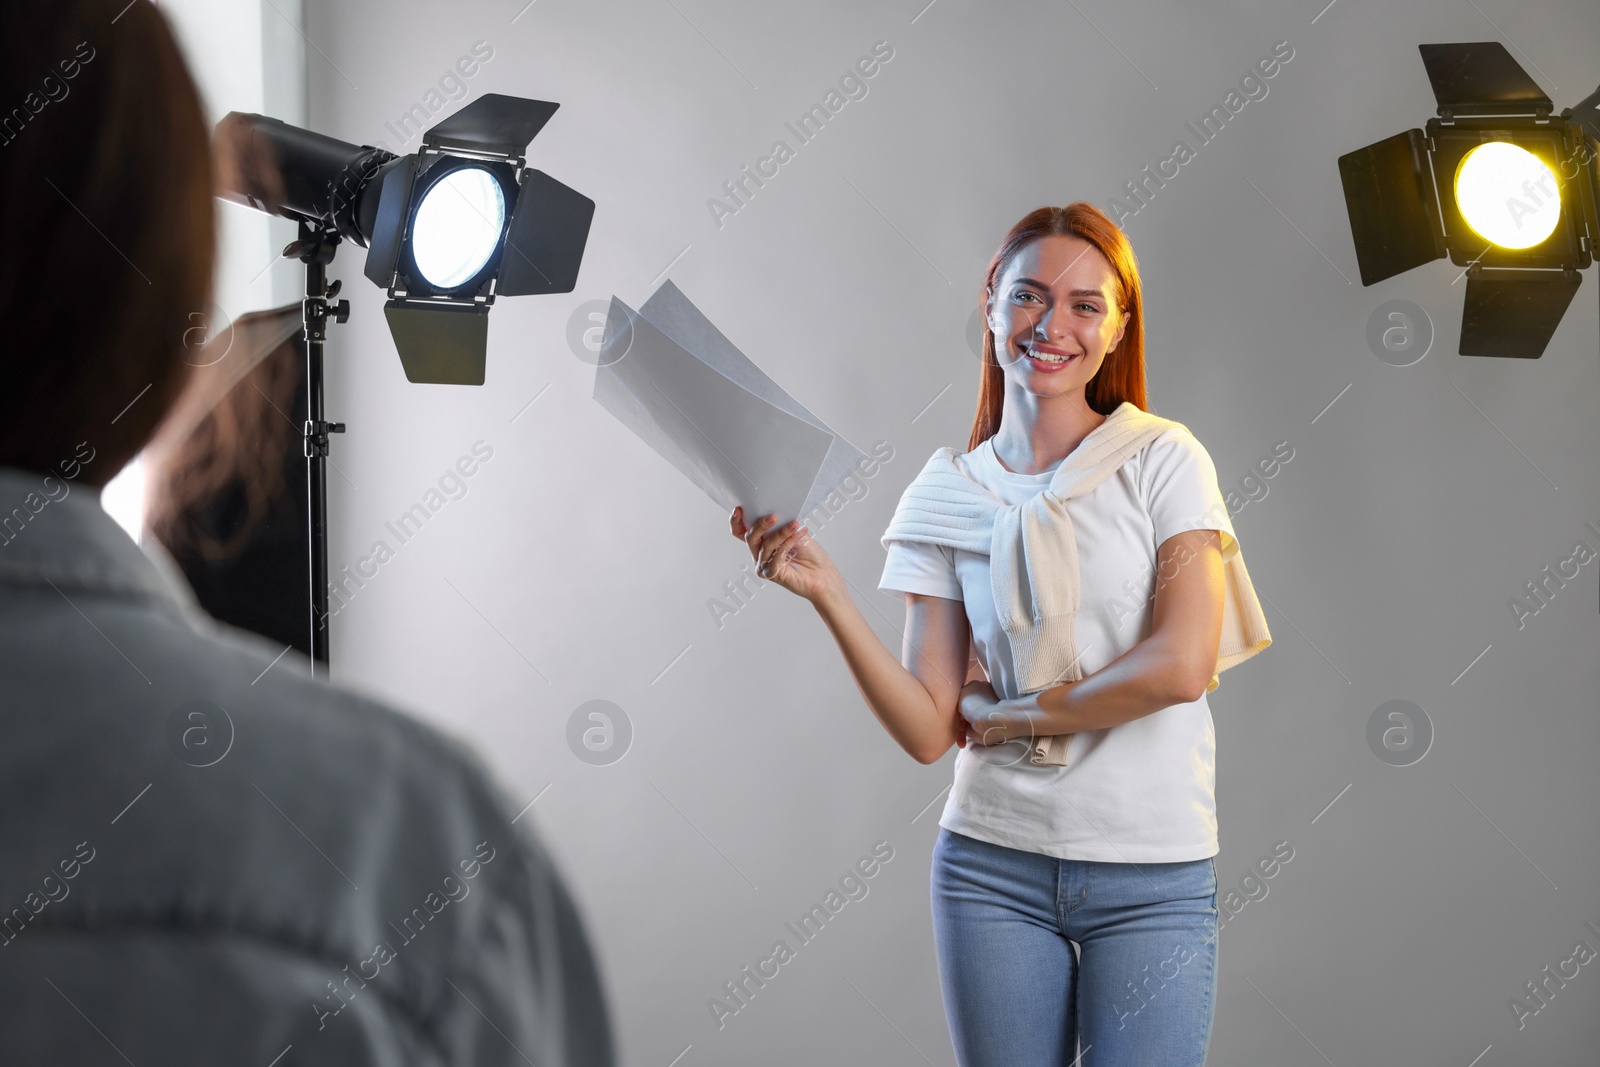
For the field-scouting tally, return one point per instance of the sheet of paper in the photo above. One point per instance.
(678, 318)
(668, 374)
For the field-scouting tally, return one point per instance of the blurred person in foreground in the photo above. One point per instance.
(206, 856)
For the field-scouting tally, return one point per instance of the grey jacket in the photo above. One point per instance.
(209, 857)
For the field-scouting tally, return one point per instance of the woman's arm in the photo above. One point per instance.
(1171, 666)
(917, 705)
(915, 700)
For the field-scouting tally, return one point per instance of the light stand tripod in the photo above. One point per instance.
(437, 315)
(315, 248)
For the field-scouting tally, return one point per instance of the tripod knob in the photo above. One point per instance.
(341, 311)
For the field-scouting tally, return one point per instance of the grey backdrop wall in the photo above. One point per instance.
(1419, 902)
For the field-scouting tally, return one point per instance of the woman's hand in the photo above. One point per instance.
(788, 555)
(980, 707)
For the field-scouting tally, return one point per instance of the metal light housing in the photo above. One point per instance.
(437, 318)
(1404, 196)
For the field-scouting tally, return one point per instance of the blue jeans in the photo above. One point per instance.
(1140, 990)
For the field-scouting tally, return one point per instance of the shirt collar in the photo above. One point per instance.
(53, 532)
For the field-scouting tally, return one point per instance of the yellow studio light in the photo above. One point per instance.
(1507, 195)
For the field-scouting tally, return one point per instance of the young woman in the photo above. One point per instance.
(1073, 884)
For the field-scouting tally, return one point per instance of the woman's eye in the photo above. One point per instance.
(1033, 296)
(1090, 306)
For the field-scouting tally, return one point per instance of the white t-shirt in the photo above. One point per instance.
(1141, 792)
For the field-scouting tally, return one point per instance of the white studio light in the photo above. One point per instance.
(1507, 194)
(457, 226)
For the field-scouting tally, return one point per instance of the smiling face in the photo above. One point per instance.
(1054, 315)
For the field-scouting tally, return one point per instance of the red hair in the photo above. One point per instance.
(1121, 375)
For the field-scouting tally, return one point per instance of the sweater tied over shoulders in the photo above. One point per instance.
(1033, 555)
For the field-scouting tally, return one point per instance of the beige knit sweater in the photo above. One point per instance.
(1033, 556)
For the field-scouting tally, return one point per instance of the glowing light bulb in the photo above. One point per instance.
(457, 227)
(1507, 195)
